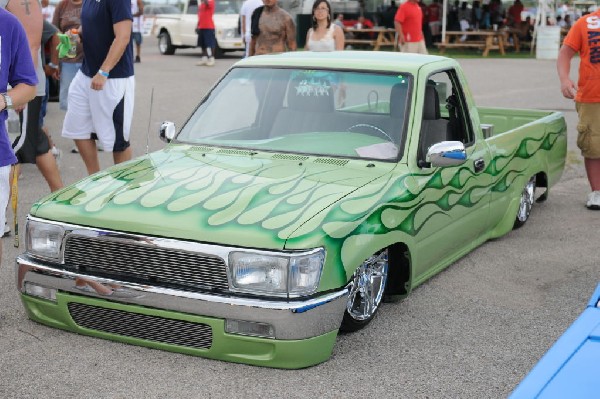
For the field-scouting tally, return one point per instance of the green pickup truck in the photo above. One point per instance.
(304, 190)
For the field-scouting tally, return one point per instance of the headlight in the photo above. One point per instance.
(44, 239)
(227, 33)
(276, 274)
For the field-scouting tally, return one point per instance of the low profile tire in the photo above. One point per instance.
(527, 201)
(366, 292)
(164, 44)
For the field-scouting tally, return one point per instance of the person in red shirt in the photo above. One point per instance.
(435, 19)
(584, 38)
(206, 32)
(409, 26)
(514, 14)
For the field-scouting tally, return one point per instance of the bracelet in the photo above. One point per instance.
(52, 65)
(101, 72)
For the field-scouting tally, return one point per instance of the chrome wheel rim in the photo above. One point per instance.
(527, 198)
(367, 286)
(162, 43)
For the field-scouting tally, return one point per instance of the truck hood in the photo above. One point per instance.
(224, 196)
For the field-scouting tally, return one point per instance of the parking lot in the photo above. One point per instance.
(473, 331)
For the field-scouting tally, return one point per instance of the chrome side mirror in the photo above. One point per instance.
(167, 131)
(446, 153)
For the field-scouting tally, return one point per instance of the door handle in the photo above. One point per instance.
(479, 165)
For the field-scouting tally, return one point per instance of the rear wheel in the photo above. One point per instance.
(164, 44)
(366, 292)
(527, 200)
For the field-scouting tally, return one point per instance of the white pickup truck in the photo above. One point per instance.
(179, 30)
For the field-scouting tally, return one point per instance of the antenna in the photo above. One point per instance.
(149, 119)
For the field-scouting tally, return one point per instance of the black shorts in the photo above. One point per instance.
(33, 141)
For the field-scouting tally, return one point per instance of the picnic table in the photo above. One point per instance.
(375, 37)
(486, 40)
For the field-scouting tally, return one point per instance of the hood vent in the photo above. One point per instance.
(236, 152)
(332, 161)
(202, 148)
(290, 157)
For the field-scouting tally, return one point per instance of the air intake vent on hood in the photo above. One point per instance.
(290, 157)
(332, 161)
(201, 148)
(236, 152)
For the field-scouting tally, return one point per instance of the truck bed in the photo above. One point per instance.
(506, 119)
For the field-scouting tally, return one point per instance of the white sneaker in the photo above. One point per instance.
(203, 61)
(211, 61)
(6, 231)
(594, 201)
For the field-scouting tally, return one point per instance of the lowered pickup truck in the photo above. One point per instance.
(179, 30)
(256, 236)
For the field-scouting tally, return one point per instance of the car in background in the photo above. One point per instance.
(570, 369)
(151, 10)
(178, 31)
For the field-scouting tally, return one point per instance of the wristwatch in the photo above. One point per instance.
(7, 101)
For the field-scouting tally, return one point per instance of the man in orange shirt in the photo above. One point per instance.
(584, 38)
(409, 26)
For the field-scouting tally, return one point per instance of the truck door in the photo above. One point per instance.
(189, 24)
(454, 200)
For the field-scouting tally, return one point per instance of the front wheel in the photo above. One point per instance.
(219, 53)
(366, 292)
(164, 44)
(527, 200)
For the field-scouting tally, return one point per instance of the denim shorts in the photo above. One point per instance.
(136, 37)
(68, 70)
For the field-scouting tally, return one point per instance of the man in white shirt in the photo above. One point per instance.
(246, 11)
(47, 10)
(137, 26)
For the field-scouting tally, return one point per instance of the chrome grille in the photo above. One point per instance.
(135, 325)
(127, 260)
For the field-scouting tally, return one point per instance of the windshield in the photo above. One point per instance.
(317, 112)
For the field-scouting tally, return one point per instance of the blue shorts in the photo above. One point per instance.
(136, 37)
(206, 38)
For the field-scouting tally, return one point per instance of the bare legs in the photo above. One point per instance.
(89, 154)
(592, 168)
(46, 163)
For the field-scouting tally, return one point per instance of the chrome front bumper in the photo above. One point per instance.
(291, 320)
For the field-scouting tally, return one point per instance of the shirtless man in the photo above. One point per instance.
(277, 31)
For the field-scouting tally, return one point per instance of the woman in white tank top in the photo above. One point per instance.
(323, 36)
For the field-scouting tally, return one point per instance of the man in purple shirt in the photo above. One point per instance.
(16, 69)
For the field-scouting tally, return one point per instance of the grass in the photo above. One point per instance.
(477, 53)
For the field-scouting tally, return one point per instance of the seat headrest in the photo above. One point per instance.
(431, 108)
(398, 99)
(311, 94)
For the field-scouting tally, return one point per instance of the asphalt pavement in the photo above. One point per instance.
(472, 331)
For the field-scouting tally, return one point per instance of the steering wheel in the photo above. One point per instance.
(370, 127)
